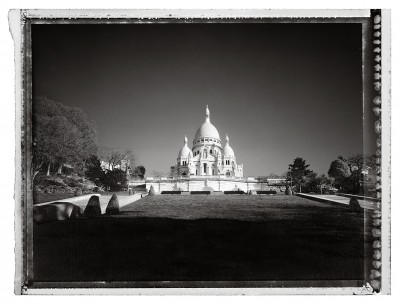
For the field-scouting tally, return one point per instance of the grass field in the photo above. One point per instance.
(205, 238)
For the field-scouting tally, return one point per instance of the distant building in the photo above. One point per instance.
(207, 156)
(208, 166)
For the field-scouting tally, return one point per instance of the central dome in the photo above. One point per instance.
(207, 129)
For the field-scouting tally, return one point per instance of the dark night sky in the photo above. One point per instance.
(279, 90)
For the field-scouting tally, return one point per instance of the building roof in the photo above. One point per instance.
(207, 129)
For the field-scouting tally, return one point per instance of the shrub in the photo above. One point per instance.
(94, 170)
(78, 192)
(88, 185)
(55, 181)
(113, 207)
(93, 209)
(73, 183)
(354, 205)
(98, 189)
(152, 191)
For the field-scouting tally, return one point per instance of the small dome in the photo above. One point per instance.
(185, 150)
(207, 129)
(228, 151)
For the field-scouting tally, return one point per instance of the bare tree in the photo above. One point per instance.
(115, 157)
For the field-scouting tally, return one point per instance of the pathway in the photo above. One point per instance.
(81, 201)
(336, 199)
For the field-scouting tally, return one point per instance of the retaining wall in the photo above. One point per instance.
(210, 184)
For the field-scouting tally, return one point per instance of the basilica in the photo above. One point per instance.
(207, 156)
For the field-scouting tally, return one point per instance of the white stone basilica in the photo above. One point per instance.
(207, 157)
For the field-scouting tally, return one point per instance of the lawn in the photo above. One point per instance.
(205, 238)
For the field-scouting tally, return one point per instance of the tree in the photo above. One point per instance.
(316, 183)
(128, 161)
(139, 171)
(117, 158)
(310, 182)
(298, 172)
(53, 141)
(116, 179)
(61, 135)
(86, 141)
(362, 173)
(354, 174)
(94, 171)
(339, 171)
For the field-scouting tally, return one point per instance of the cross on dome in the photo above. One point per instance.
(207, 114)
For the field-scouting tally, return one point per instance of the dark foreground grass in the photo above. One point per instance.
(227, 238)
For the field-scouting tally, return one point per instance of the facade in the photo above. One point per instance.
(207, 156)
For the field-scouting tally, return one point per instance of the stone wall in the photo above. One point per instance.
(213, 184)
